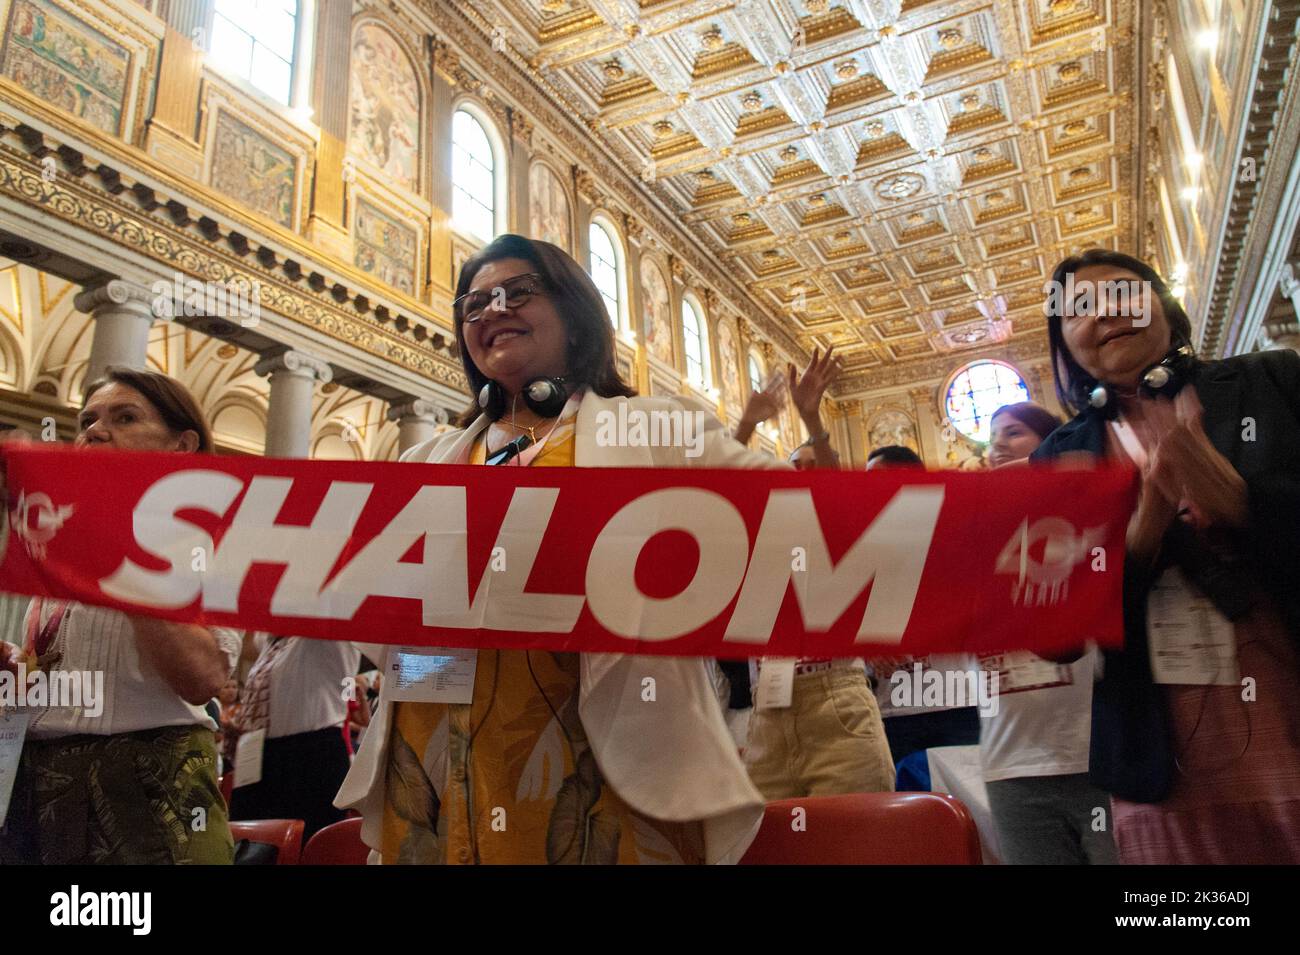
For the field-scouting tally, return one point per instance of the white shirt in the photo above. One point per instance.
(1043, 732)
(135, 697)
(307, 684)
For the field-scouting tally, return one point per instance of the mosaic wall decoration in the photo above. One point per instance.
(252, 170)
(67, 63)
(548, 212)
(384, 113)
(385, 247)
(657, 323)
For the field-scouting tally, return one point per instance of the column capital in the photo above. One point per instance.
(1287, 282)
(115, 292)
(420, 409)
(1278, 335)
(297, 363)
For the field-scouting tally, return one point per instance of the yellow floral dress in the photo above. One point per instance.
(518, 781)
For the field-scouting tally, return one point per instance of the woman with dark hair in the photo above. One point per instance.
(130, 777)
(1196, 723)
(558, 758)
(1016, 431)
(1034, 747)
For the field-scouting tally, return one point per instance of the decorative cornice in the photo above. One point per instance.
(104, 203)
(1031, 347)
(1272, 126)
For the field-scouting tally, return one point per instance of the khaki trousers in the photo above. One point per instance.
(829, 741)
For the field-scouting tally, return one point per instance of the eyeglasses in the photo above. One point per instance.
(512, 293)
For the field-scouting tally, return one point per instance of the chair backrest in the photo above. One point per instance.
(284, 834)
(867, 829)
(337, 844)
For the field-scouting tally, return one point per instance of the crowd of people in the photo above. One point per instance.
(1145, 754)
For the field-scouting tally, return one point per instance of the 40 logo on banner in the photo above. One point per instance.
(719, 563)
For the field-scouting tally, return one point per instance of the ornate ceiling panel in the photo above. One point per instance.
(893, 176)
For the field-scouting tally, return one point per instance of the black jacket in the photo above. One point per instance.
(1252, 416)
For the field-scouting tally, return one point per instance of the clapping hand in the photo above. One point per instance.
(1187, 468)
(766, 403)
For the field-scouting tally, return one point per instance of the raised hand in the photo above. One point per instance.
(807, 390)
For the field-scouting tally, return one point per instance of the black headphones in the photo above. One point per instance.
(543, 396)
(1166, 377)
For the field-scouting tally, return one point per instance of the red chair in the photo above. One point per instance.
(284, 834)
(867, 829)
(337, 844)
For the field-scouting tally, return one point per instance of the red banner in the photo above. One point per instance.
(682, 563)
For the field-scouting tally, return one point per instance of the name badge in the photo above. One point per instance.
(775, 683)
(1190, 641)
(430, 675)
(1021, 670)
(13, 730)
(248, 758)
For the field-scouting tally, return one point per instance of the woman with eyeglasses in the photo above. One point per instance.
(558, 758)
(1196, 722)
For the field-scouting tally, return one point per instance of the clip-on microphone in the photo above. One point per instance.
(512, 450)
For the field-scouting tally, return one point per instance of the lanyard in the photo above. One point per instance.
(39, 638)
(529, 453)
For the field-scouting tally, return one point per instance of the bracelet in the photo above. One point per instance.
(824, 436)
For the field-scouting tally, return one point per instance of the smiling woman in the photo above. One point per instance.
(459, 780)
(1198, 770)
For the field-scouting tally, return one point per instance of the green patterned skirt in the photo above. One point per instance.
(149, 797)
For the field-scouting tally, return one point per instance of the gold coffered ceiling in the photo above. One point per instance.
(893, 176)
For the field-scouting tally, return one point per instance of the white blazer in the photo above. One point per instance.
(675, 762)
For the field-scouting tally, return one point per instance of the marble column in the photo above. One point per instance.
(294, 375)
(417, 421)
(123, 314)
(932, 447)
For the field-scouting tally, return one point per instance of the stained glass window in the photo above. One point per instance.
(979, 389)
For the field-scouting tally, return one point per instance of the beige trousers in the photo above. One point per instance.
(829, 741)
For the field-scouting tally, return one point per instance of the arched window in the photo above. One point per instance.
(473, 177)
(977, 390)
(695, 339)
(755, 369)
(606, 269)
(256, 40)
